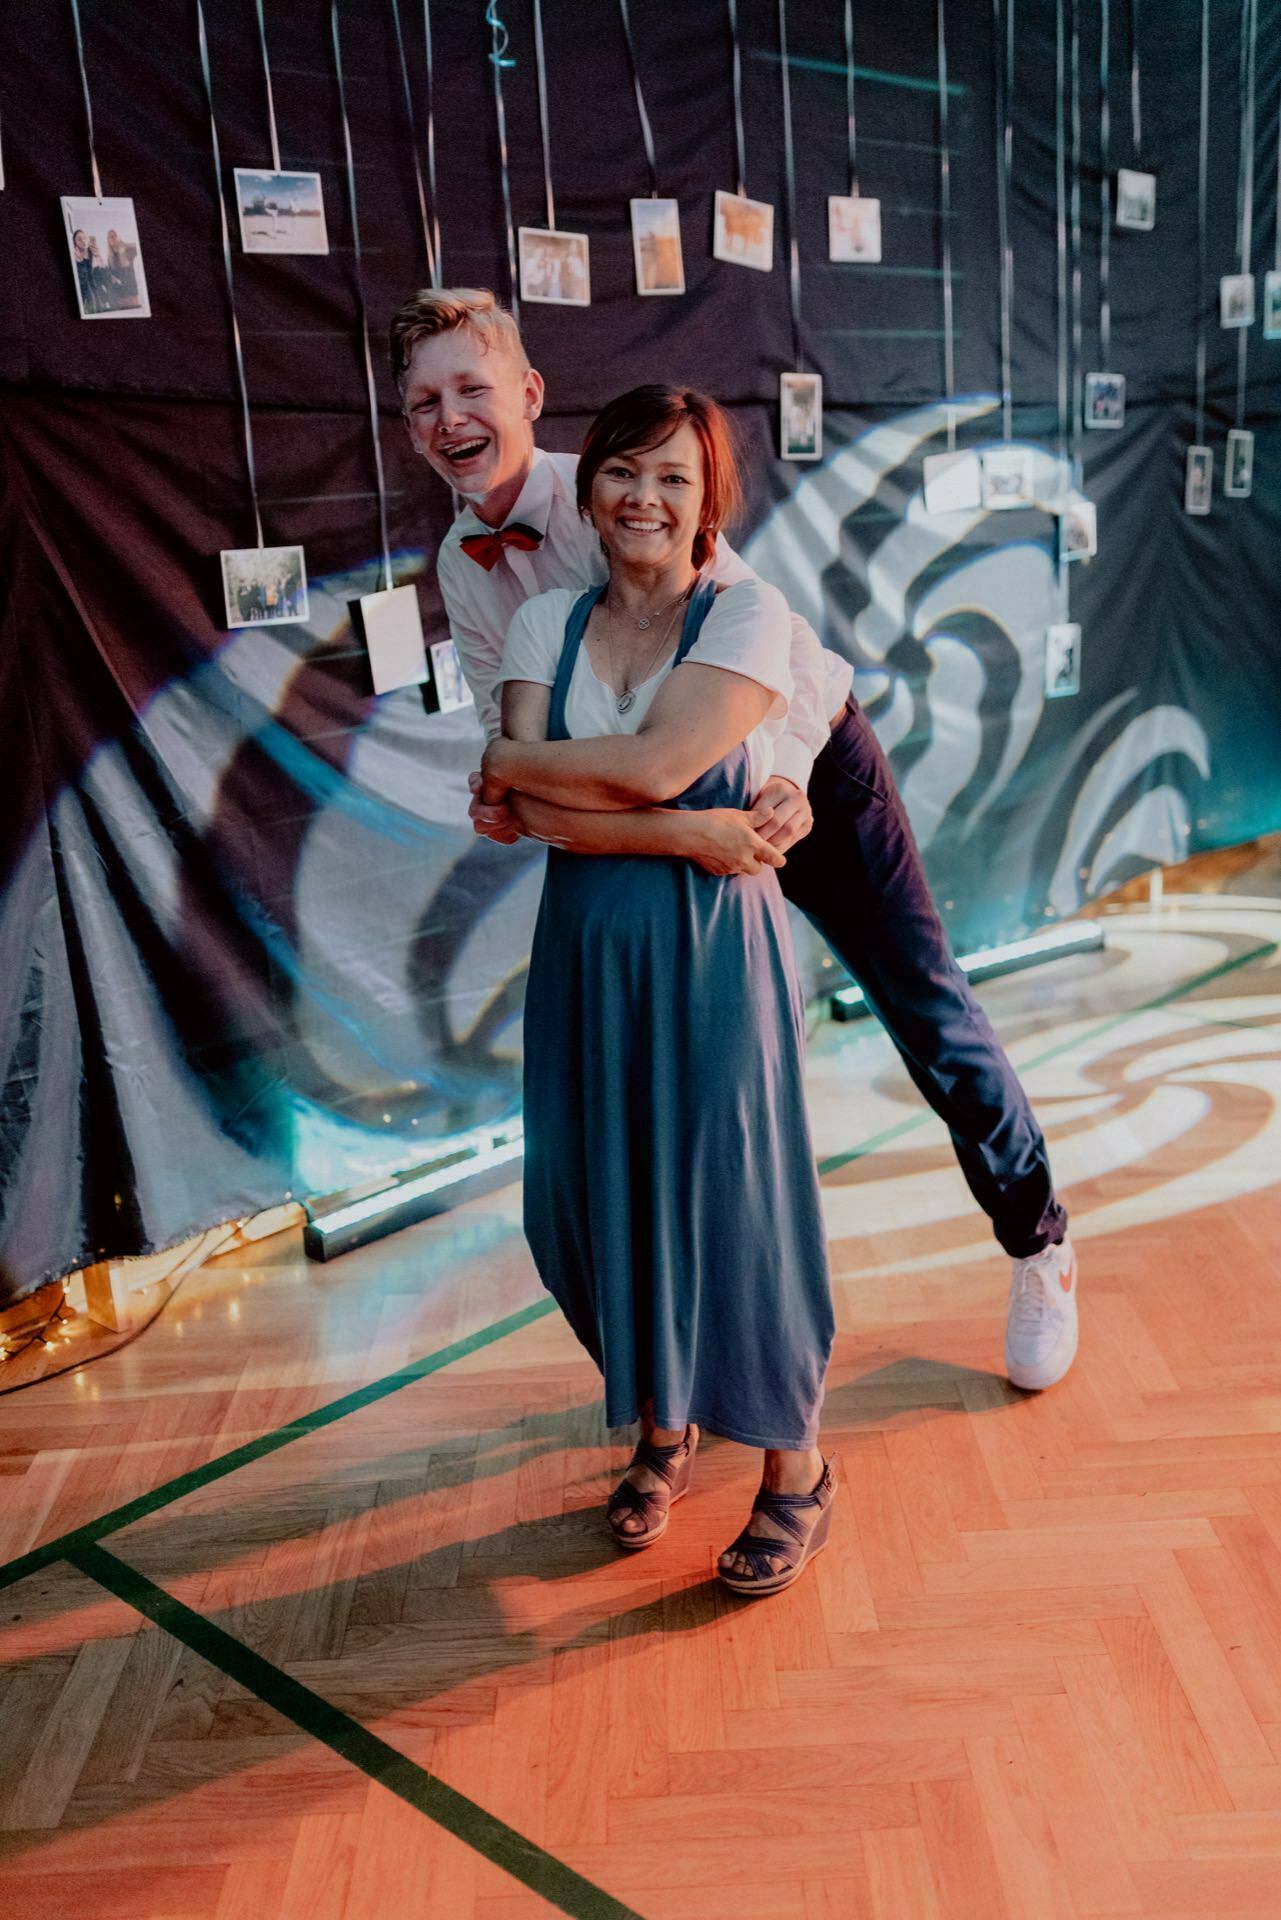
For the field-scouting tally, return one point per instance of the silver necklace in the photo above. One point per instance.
(626, 700)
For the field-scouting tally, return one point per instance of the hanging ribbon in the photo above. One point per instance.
(1203, 159)
(1136, 125)
(543, 119)
(945, 222)
(84, 83)
(499, 41)
(227, 269)
(647, 134)
(1105, 185)
(413, 139)
(1249, 48)
(1061, 249)
(360, 299)
(437, 268)
(271, 103)
(740, 136)
(789, 181)
(1004, 46)
(1075, 200)
(851, 122)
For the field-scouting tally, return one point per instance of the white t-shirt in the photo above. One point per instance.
(480, 605)
(748, 630)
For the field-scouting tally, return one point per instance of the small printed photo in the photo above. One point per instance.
(106, 258)
(264, 586)
(656, 244)
(452, 691)
(1007, 478)
(800, 411)
(1135, 200)
(743, 231)
(1198, 480)
(391, 625)
(853, 228)
(1238, 469)
(1236, 300)
(1104, 399)
(1062, 660)
(1272, 305)
(953, 482)
(280, 212)
(1079, 529)
(554, 269)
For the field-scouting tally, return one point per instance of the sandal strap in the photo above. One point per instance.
(758, 1552)
(630, 1499)
(786, 1511)
(660, 1460)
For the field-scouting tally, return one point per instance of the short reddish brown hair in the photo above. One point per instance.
(646, 417)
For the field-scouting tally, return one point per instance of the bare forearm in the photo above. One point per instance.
(653, 830)
(616, 772)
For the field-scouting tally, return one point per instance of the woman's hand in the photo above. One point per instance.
(722, 842)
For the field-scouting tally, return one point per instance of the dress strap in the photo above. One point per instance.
(701, 602)
(575, 628)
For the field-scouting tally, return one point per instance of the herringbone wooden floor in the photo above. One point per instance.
(1037, 1673)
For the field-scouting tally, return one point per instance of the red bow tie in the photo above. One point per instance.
(485, 548)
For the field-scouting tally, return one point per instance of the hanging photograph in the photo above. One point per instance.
(452, 691)
(1238, 468)
(280, 212)
(800, 410)
(1198, 480)
(656, 244)
(391, 625)
(1236, 300)
(743, 231)
(1272, 305)
(1079, 529)
(853, 228)
(106, 259)
(1135, 200)
(554, 268)
(1007, 478)
(1104, 399)
(953, 482)
(1062, 660)
(264, 586)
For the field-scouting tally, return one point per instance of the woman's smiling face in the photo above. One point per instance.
(647, 504)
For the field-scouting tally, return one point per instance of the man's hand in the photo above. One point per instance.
(496, 823)
(782, 813)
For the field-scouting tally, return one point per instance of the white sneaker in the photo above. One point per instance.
(1041, 1324)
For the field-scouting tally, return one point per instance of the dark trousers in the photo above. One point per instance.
(858, 878)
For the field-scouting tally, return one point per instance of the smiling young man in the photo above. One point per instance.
(470, 400)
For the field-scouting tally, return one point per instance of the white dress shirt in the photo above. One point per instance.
(481, 604)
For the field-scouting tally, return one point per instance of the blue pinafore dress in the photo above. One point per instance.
(671, 1196)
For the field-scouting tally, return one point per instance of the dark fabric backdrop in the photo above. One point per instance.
(248, 947)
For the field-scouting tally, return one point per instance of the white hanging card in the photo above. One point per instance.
(743, 231)
(1007, 478)
(656, 246)
(1079, 529)
(264, 586)
(1135, 200)
(448, 679)
(393, 630)
(555, 267)
(280, 212)
(800, 413)
(1272, 304)
(1238, 465)
(1236, 300)
(953, 482)
(1198, 480)
(1062, 660)
(853, 228)
(106, 258)
(1104, 399)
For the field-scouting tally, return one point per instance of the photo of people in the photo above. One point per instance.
(1007, 478)
(1198, 481)
(280, 212)
(1236, 300)
(1079, 529)
(554, 267)
(1238, 475)
(800, 406)
(452, 690)
(953, 482)
(106, 259)
(1135, 200)
(1272, 305)
(743, 231)
(1062, 660)
(656, 244)
(264, 586)
(1104, 399)
(853, 228)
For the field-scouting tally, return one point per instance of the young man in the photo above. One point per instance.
(470, 401)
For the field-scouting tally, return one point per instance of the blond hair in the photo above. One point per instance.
(436, 310)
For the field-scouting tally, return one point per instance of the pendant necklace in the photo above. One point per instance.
(626, 700)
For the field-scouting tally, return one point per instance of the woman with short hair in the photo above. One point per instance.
(671, 1197)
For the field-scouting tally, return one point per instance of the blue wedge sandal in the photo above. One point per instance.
(805, 1519)
(674, 1465)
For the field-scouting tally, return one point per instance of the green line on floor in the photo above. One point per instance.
(312, 1715)
(242, 1456)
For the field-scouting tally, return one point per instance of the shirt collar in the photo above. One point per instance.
(533, 505)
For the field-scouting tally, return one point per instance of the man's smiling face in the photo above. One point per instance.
(470, 408)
